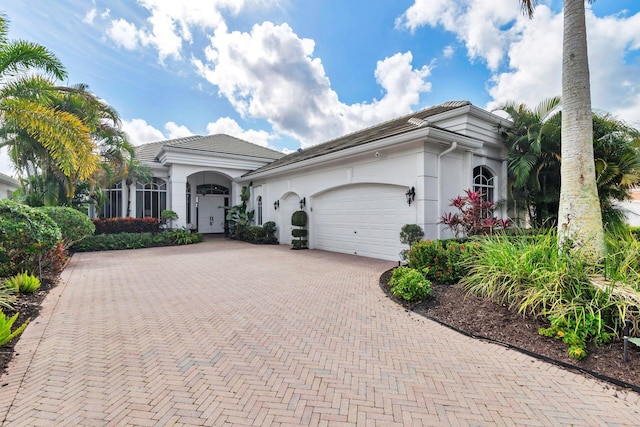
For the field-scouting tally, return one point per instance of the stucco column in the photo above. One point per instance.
(178, 197)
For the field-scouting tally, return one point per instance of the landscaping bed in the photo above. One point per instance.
(451, 306)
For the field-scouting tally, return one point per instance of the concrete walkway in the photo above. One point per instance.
(226, 333)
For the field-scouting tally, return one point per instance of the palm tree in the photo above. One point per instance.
(534, 162)
(28, 113)
(580, 224)
(533, 153)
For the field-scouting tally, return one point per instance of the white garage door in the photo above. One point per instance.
(361, 219)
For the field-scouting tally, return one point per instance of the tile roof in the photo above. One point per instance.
(375, 133)
(221, 144)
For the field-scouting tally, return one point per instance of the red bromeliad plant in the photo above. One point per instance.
(475, 216)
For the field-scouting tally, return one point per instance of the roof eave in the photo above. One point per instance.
(433, 134)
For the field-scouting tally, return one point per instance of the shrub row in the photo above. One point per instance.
(126, 225)
(256, 234)
(109, 242)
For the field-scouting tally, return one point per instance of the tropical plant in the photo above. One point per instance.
(7, 295)
(269, 228)
(183, 236)
(579, 217)
(237, 216)
(5, 328)
(474, 216)
(533, 151)
(24, 283)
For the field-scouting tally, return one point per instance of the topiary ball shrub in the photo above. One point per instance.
(299, 219)
(25, 234)
(410, 234)
(73, 224)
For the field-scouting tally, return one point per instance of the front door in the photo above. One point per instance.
(211, 213)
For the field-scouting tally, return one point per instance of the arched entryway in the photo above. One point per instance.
(208, 193)
(289, 203)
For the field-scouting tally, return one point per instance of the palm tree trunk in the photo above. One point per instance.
(579, 216)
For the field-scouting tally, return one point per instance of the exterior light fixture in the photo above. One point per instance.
(276, 204)
(411, 195)
(303, 202)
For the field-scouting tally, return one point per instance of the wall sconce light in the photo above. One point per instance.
(303, 202)
(411, 195)
(197, 200)
(276, 204)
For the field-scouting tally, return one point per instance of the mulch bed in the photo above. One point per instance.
(453, 307)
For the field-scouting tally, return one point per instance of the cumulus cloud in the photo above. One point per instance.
(228, 126)
(124, 34)
(140, 132)
(478, 23)
(525, 56)
(175, 131)
(270, 73)
(170, 23)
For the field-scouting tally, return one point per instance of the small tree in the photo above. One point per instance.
(410, 234)
(299, 219)
(168, 216)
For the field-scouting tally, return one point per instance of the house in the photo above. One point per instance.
(7, 186)
(358, 190)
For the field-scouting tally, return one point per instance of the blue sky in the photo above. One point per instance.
(287, 73)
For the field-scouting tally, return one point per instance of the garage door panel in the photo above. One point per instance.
(361, 219)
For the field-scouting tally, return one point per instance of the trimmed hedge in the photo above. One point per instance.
(110, 242)
(126, 225)
(73, 224)
(25, 235)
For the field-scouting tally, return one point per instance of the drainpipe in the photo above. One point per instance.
(454, 145)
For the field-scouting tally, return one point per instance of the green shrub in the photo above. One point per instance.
(73, 224)
(269, 228)
(299, 244)
(299, 218)
(24, 283)
(299, 232)
(109, 242)
(182, 236)
(25, 235)
(409, 284)
(5, 328)
(441, 261)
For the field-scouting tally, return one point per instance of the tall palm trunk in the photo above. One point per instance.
(579, 216)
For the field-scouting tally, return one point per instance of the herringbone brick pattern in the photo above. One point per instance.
(226, 333)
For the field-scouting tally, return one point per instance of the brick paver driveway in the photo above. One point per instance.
(229, 333)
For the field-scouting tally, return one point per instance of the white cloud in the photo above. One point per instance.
(124, 34)
(270, 73)
(525, 56)
(140, 132)
(478, 23)
(170, 22)
(90, 16)
(228, 126)
(448, 51)
(177, 131)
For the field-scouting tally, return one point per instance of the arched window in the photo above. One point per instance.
(259, 203)
(113, 205)
(151, 199)
(483, 183)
